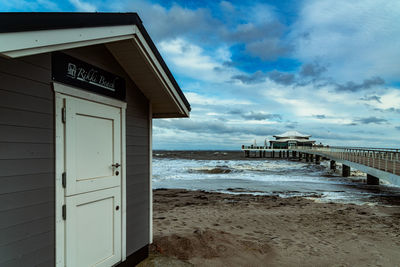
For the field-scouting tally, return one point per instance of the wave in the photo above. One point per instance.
(215, 170)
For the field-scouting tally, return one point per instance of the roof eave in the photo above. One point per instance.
(98, 28)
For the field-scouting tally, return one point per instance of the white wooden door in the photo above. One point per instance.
(93, 183)
(92, 146)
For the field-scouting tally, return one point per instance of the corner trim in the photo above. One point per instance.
(150, 174)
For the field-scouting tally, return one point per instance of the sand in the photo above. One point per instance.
(211, 229)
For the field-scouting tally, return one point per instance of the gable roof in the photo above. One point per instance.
(23, 34)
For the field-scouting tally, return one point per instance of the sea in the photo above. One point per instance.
(230, 172)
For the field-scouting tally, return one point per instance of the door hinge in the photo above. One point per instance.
(64, 179)
(64, 212)
(64, 115)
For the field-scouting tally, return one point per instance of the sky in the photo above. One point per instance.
(254, 69)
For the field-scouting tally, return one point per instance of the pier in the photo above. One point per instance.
(377, 163)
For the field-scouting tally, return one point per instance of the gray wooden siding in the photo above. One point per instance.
(26, 162)
(137, 148)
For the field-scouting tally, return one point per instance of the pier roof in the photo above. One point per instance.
(291, 134)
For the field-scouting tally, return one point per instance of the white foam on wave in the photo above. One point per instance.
(263, 177)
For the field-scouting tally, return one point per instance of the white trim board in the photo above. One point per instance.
(19, 44)
(61, 90)
(71, 91)
(59, 190)
(157, 68)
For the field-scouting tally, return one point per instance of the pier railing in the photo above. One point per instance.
(385, 159)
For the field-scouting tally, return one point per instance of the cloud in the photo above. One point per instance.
(267, 49)
(258, 116)
(192, 60)
(22, 5)
(320, 116)
(356, 39)
(371, 98)
(257, 77)
(312, 70)
(261, 116)
(397, 128)
(371, 120)
(200, 100)
(82, 6)
(281, 77)
(395, 110)
(366, 84)
(214, 127)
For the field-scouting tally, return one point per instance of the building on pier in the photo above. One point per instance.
(291, 139)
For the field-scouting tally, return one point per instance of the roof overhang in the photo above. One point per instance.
(122, 33)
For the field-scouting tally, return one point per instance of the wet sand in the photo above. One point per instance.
(212, 229)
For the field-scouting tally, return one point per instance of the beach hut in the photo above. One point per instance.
(78, 93)
(291, 139)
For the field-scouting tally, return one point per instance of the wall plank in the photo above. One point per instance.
(26, 162)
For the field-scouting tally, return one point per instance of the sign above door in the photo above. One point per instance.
(72, 71)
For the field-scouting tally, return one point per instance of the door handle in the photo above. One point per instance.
(116, 165)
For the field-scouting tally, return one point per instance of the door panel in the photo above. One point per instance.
(94, 228)
(92, 146)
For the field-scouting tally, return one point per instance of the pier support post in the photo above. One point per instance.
(317, 159)
(300, 156)
(273, 154)
(280, 153)
(345, 170)
(333, 165)
(293, 154)
(372, 180)
(307, 157)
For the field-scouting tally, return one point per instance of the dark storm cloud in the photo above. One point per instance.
(319, 116)
(371, 98)
(262, 39)
(250, 32)
(366, 84)
(257, 77)
(313, 70)
(229, 64)
(261, 116)
(371, 120)
(281, 77)
(236, 112)
(268, 49)
(292, 125)
(178, 21)
(394, 110)
(213, 127)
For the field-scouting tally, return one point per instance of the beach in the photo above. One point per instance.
(213, 208)
(213, 229)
